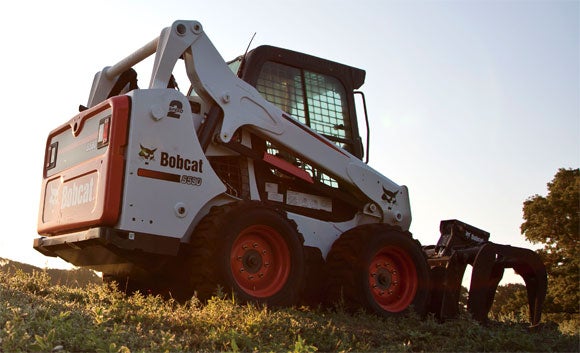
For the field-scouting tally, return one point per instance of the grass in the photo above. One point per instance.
(37, 316)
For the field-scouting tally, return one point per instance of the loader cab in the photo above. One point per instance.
(320, 94)
(315, 91)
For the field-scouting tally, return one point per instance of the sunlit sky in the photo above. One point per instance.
(473, 105)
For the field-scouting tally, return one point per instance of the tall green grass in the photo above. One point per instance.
(36, 316)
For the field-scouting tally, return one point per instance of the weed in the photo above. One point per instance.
(38, 316)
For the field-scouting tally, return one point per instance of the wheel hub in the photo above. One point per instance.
(383, 279)
(252, 261)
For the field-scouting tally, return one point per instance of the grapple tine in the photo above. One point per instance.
(485, 277)
(530, 267)
(446, 276)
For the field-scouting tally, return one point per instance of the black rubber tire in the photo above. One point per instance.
(314, 291)
(272, 272)
(396, 259)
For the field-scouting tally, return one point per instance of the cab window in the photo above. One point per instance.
(316, 100)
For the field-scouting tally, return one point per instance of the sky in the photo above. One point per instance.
(473, 105)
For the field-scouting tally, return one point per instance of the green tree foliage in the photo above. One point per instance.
(554, 221)
(509, 299)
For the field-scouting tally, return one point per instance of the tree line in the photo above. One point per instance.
(553, 221)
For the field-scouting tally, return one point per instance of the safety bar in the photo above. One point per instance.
(168, 47)
(131, 60)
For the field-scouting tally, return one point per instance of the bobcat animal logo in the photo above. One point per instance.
(389, 196)
(175, 109)
(147, 154)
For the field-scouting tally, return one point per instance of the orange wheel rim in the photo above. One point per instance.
(260, 261)
(393, 279)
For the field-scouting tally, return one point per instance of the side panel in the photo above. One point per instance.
(322, 234)
(168, 178)
(84, 167)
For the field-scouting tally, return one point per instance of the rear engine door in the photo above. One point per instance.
(84, 168)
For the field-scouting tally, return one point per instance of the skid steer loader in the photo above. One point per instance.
(252, 182)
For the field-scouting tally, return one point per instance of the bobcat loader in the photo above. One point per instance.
(252, 182)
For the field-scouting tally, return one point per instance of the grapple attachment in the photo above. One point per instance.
(460, 245)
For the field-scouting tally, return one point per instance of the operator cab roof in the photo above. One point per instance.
(351, 77)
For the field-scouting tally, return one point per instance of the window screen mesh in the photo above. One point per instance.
(289, 87)
(282, 85)
(325, 112)
(325, 105)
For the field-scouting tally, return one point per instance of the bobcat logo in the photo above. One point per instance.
(389, 196)
(147, 154)
(175, 109)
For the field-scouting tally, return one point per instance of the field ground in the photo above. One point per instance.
(37, 315)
